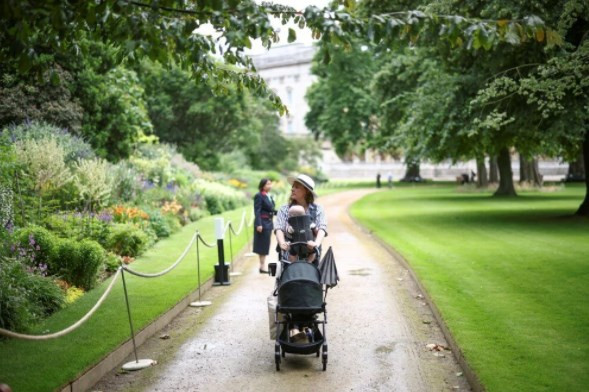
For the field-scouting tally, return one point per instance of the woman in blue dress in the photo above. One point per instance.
(263, 226)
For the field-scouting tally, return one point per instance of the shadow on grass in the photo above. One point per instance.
(560, 219)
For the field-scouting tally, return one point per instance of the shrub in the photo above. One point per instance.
(219, 197)
(197, 213)
(66, 260)
(35, 245)
(44, 163)
(16, 311)
(111, 262)
(214, 205)
(127, 239)
(45, 293)
(74, 147)
(6, 208)
(25, 297)
(93, 181)
(79, 262)
(159, 225)
(153, 163)
(126, 185)
(172, 221)
(92, 256)
(80, 225)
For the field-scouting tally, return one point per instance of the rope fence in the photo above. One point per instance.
(196, 238)
(69, 329)
(170, 268)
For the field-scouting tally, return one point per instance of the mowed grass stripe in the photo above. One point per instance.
(509, 276)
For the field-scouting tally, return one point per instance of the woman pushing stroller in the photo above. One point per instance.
(300, 228)
(302, 201)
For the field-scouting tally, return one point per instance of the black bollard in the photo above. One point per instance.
(221, 269)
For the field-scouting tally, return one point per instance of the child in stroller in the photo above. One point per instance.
(300, 230)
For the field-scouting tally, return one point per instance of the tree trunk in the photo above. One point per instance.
(493, 170)
(576, 170)
(584, 207)
(529, 171)
(506, 187)
(412, 173)
(482, 177)
(537, 178)
(524, 170)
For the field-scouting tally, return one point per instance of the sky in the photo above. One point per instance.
(303, 36)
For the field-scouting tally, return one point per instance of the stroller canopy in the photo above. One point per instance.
(300, 288)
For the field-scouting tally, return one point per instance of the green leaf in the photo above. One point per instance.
(292, 35)
(54, 78)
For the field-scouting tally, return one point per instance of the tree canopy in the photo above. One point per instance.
(441, 98)
(167, 31)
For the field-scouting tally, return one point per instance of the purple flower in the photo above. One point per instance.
(43, 269)
(105, 217)
(147, 185)
(9, 226)
(31, 240)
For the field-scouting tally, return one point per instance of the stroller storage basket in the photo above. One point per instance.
(300, 289)
(305, 349)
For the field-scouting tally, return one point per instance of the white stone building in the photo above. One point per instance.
(287, 71)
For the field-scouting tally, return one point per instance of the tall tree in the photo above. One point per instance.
(341, 107)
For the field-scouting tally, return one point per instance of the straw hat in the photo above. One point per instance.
(305, 181)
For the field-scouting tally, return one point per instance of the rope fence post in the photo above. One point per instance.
(221, 269)
(138, 364)
(199, 303)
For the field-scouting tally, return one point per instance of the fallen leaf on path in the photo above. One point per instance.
(436, 347)
(165, 336)
(419, 296)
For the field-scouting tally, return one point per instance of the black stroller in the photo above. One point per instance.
(301, 300)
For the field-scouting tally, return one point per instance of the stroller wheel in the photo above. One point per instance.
(317, 353)
(324, 357)
(277, 356)
(283, 353)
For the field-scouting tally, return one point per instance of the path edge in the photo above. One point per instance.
(96, 372)
(470, 375)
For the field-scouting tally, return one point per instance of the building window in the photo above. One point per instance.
(296, 78)
(290, 126)
(289, 95)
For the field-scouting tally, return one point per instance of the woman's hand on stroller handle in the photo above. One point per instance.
(285, 245)
(312, 245)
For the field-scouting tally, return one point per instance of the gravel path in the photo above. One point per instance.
(378, 329)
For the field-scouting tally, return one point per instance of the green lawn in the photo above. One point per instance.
(47, 365)
(510, 277)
